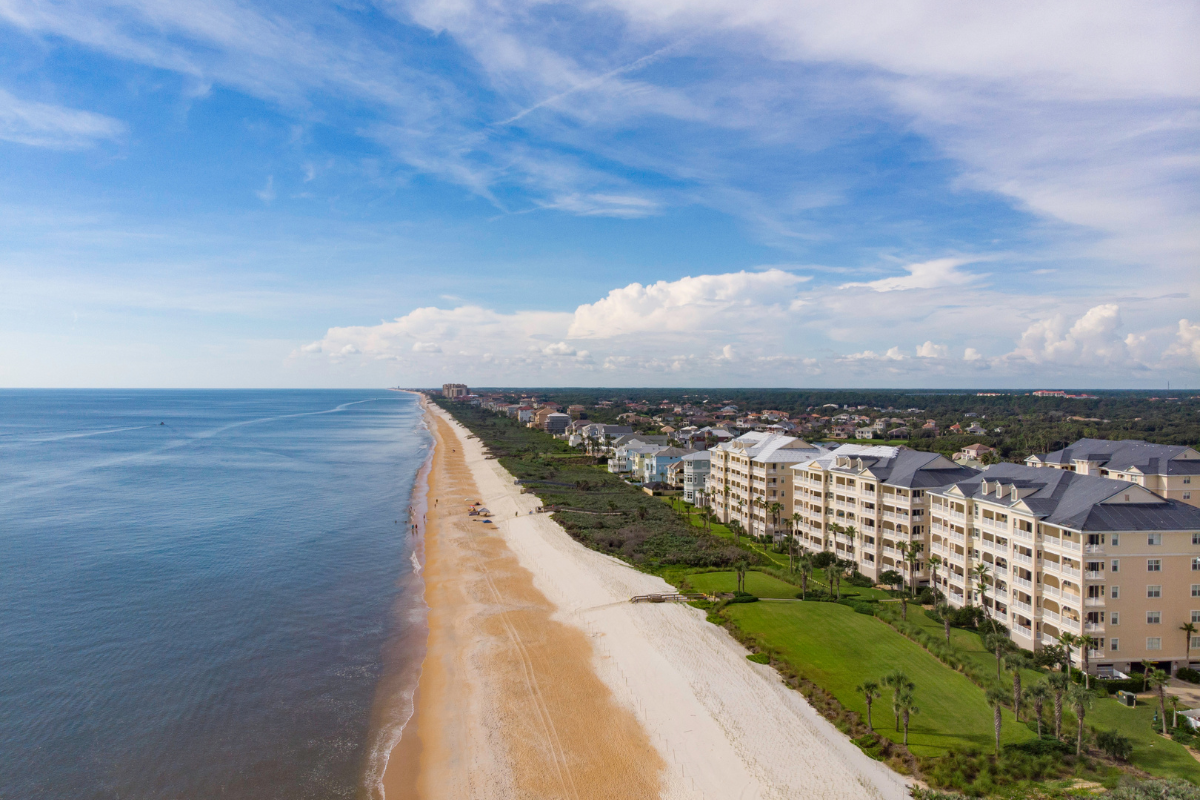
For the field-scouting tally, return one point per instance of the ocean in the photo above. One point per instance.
(205, 594)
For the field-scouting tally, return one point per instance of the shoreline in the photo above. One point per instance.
(542, 680)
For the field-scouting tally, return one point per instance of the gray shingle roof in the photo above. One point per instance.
(1076, 501)
(1123, 455)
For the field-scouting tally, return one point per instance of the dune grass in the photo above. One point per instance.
(838, 649)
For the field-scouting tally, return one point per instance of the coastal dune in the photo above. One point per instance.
(542, 680)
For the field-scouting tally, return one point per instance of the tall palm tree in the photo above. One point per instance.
(906, 706)
(1068, 640)
(1001, 645)
(1147, 668)
(899, 683)
(796, 520)
(740, 569)
(1158, 682)
(1016, 661)
(735, 527)
(1086, 643)
(934, 562)
(1173, 701)
(1036, 696)
(805, 565)
(1080, 700)
(1059, 684)
(912, 553)
(775, 508)
(870, 691)
(996, 698)
(980, 571)
(1189, 630)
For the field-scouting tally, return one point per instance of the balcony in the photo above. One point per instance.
(1021, 629)
(1093, 627)
(1072, 546)
(1020, 534)
(1074, 573)
(1094, 575)
(1020, 605)
(958, 537)
(1051, 591)
(1093, 548)
(1019, 581)
(1024, 559)
(1094, 602)
(1050, 616)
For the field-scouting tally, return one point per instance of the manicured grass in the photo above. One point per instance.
(838, 649)
(756, 583)
(1151, 752)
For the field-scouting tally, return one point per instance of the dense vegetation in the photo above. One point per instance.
(598, 509)
(1028, 424)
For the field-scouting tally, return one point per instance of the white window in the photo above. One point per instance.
(1114, 592)
(1113, 644)
(1187, 495)
(1116, 565)
(1154, 565)
(1154, 643)
(1196, 538)
(1196, 565)
(1153, 617)
(1114, 618)
(1195, 641)
(1196, 590)
(1153, 591)
(1187, 480)
(1153, 539)
(1114, 539)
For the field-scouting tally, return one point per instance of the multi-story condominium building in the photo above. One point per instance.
(1062, 552)
(1170, 471)
(696, 467)
(453, 390)
(626, 458)
(752, 473)
(654, 465)
(870, 505)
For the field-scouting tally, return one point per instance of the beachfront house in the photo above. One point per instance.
(696, 466)
(654, 465)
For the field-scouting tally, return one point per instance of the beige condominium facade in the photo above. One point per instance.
(1170, 471)
(752, 473)
(870, 504)
(1070, 553)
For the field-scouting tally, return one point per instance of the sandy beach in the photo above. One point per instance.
(542, 680)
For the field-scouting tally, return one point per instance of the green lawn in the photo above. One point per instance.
(757, 583)
(1151, 752)
(838, 649)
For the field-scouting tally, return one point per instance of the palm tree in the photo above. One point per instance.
(934, 562)
(996, 698)
(899, 683)
(1158, 682)
(906, 706)
(1147, 668)
(775, 508)
(1189, 630)
(911, 553)
(740, 568)
(1036, 696)
(1173, 700)
(1086, 643)
(1080, 700)
(735, 527)
(980, 571)
(870, 692)
(1001, 645)
(944, 610)
(1016, 661)
(1068, 640)
(1059, 684)
(805, 564)
(796, 520)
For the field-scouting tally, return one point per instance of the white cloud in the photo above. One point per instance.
(926, 275)
(931, 350)
(971, 354)
(1091, 339)
(426, 347)
(736, 301)
(267, 193)
(1186, 347)
(45, 125)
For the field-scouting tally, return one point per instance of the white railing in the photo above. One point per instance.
(1072, 624)
(1021, 629)
(1068, 545)
(1019, 581)
(1093, 548)
(957, 515)
(1021, 605)
(1094, 575)
(1053, 541)
(1050, 616)
(1074, 573)
(1020, 534)
(1024, 559)
(1094, 602)
(958, 537)
(1093, 627)
(1051, 591)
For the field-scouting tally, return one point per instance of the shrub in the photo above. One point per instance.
(858, 579)
(1155, 790)
(1041, 747)
(1115, 745)
(743, 597)
(759, 658)
(891, 578)
(1188, 674)
(823, 559)
(927, 597)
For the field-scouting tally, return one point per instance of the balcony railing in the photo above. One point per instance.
(1093, 548)
(1021, 629)
(1051, 591)
(1094, 602)
(1019, 581)
(1024, 559)
(1020, 605)
(1094, 575)
(1093, 627)
(1050, 616)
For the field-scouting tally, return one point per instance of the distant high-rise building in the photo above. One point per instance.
(453, 390)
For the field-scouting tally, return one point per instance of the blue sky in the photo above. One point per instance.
(620, 192)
